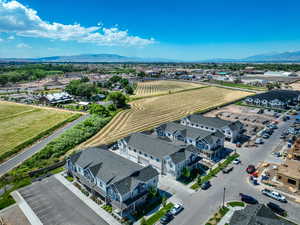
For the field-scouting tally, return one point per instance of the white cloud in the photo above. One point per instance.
(23, 21)
(11, 37)
(23, 45)
(1, 40)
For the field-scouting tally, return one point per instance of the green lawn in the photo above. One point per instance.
(154, 218)
(239, 85)
(235, 204)
(212, 173)
(20, 123)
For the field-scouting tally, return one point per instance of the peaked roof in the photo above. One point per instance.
(110, 167)
(187, 131)
(156, 147)
(209, 121)
(282, 95)
(256, 215)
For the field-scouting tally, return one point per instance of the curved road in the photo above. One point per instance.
(21, 157)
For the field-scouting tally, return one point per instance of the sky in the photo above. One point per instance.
(172, 29)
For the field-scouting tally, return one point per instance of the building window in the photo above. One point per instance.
(151, 156)
(140, 152)
(134, 150)
(145, 155)
(290, 181)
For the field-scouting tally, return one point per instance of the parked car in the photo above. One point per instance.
(248, 199)
(205, 185)
(176, 209)
(227, 169)
(250, 169)
(259, 141)
(253, 180)
(276, 208)
(238, 144)
(266, 136)
(236, 161)
(166, 218)
(273, 194)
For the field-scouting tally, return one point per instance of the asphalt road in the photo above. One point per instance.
(53, 204)
(199, 206)
(19, 158)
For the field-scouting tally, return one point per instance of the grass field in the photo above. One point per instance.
(20, 123)
(149, 112)
(160, 87)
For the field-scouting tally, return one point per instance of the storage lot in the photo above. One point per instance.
(54, 204)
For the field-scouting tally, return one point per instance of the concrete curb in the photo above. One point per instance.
(26, 209)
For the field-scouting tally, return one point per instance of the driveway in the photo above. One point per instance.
(21, 157)
(200, 205)
(54, 204)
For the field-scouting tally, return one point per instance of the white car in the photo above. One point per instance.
(273, 194)
(236, 161)
(177, 208)
(259, 141)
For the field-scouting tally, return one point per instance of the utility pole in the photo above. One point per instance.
(224, 197)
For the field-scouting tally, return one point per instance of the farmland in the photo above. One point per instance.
(20, 123)
(160, 87)
(149, 112)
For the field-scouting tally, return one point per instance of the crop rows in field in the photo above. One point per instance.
(150, 112)
(162, 87)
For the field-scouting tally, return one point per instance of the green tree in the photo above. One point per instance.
(186, 172)
(117, 98)
(164, 201)
(129, 89)
(84, 79)
(152, 192)
(99, 110)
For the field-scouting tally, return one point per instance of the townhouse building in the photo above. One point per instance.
(210, 144)
(231, 129)
(166, 157)
(118, 181)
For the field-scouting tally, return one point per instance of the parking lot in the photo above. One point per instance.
(54, 204)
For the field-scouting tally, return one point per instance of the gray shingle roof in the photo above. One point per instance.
(256, 215)
(154, 146)
(209, 121)
(110, 167)
(187, 131)
(282, 95)
(128, 183)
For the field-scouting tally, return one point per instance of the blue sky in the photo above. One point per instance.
(187, 30)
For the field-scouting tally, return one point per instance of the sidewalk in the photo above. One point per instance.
(26, 209)
(228, 215)
(90, 203)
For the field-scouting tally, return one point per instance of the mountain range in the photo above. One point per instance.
(110, 58)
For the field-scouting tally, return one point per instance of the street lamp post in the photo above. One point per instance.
(224, 197)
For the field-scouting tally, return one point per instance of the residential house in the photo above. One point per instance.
(231, 130)
(256, 214)
(55, 98)
(277, 99)
(164, 156)
(118, 181)
(209, 143)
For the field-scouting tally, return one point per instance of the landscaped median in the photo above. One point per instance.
(213, 172)
(215, 219)
(156, 216)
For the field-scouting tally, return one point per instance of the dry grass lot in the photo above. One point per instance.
(150, 112)
(159, 87)
(295, 86)
(20, 123)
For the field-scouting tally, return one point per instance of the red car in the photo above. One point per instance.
(250, 169)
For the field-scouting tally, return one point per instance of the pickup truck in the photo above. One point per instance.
(273, 194)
